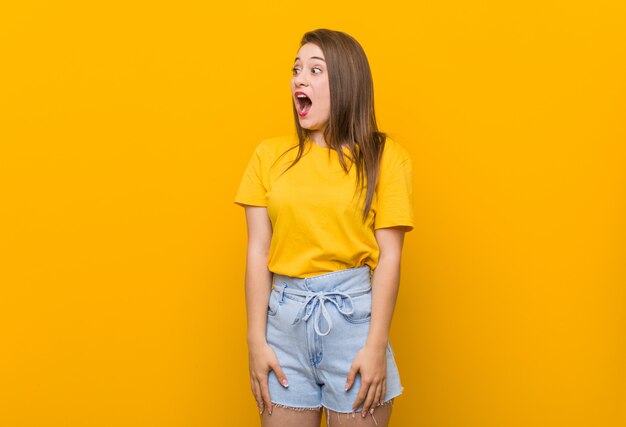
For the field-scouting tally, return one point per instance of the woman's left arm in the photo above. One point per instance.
(371, 361)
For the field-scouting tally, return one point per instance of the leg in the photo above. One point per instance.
(291, 417)
(380, 417)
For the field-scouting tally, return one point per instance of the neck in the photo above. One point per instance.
(317, 136)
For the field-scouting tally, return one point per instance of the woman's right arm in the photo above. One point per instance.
(258, 284)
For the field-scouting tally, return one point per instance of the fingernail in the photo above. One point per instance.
(372, 411)
(363, 414)
(346, 386)
(285, 383)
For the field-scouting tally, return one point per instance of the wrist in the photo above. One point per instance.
(256, 340)
(376, 344)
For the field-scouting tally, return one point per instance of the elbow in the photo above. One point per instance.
(390, 257)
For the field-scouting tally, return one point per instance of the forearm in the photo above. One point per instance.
(385, 285)
(258, 283)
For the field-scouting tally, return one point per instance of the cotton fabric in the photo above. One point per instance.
(315, 213)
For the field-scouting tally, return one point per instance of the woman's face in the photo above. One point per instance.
(310, 89)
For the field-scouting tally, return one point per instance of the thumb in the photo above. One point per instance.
(282, 378)
(351, 375)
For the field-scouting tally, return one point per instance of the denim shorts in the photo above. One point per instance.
(316, 326)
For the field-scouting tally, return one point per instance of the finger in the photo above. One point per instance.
(257, 395)
(351, 376)
(361, 394)
(377, 396)
(265, 393)
(384, 392)
(369, 399)
(280, 374)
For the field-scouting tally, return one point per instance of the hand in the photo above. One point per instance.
(371, 361)
(262, 359)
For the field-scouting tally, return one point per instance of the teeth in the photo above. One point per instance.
(303, 102)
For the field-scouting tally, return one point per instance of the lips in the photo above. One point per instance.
(303, 103)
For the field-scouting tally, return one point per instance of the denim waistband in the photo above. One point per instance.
(336, 287)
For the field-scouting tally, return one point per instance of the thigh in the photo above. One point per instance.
(287, 417)
(380, 417)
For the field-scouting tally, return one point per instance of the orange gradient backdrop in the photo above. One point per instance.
(125, 128)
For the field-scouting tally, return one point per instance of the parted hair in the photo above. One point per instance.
(352, 122)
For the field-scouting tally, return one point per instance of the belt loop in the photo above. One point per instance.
(282, 293)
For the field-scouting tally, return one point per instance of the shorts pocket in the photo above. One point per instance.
(362, 308)
(273, 303)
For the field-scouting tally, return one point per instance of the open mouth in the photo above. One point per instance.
(303, 103)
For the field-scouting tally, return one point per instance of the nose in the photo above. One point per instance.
(300, 79)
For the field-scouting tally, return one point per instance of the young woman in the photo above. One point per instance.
(326, 212)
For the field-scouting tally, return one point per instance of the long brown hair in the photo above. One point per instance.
(352, 121)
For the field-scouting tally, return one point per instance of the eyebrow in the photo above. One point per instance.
(313, 57)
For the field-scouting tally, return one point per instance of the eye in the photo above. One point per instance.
(294, 70)
(317, 68)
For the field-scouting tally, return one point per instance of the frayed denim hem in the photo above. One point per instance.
(279, 405)
(352, 414)
(348, 414)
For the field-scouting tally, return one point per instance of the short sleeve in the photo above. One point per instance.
(252, 188)
(395, 197)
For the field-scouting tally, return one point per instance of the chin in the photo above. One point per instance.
(308, 126)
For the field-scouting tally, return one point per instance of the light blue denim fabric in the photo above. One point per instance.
(316, 326)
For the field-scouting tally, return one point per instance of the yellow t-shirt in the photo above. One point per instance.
(315, 213)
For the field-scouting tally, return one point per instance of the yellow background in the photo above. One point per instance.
(125, 128)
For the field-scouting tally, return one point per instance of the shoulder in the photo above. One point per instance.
(274, 146)
(394, 153)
